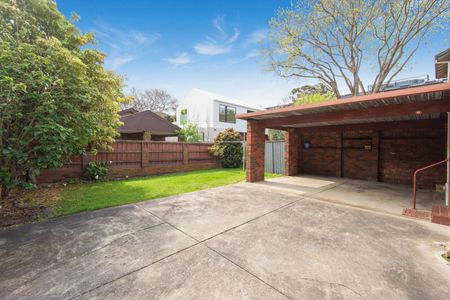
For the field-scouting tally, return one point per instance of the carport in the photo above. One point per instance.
(381, 137)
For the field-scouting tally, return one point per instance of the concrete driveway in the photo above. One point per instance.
(251, 241)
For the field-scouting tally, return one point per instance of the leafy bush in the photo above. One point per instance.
(276, 135)
(228, 148)
(97, 170)
(190, 133)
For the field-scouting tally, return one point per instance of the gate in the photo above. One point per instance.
(274, 157)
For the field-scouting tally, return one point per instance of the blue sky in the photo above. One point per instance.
(210, 44)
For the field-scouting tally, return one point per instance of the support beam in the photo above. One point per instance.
(256, 140)
(361, 115)
(447, 186)
(291, 149)
(407, 125)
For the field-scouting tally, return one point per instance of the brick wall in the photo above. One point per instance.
(320, 159)
(404, 152)
(291, 146)
(385, 154)
(256, 143)
(139, 158)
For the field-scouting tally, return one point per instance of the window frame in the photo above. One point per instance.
(226, 116)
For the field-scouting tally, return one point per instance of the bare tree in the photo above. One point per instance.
(156, 100)
(330, 40)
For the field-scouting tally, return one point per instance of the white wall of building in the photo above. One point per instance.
(203, 110)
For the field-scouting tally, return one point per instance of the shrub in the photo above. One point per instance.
(228, 148)
(190, 133)
(276, 135)
(97, 170)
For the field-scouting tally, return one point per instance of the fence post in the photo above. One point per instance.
(185, 154)
(84, 161)
(142, 154)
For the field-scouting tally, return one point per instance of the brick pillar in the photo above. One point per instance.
(447, 184)
(291, 148)
(338, 154)
(256, 140)
(376, 150)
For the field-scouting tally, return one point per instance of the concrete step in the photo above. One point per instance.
(440, 214)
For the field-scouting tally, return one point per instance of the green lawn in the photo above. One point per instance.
(86, 197)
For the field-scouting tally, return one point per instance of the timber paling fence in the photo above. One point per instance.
(139, 158)
(143, 158)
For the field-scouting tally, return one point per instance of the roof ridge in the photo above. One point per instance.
(223, 98)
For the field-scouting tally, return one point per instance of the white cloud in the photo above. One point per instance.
(211, 48)
(142, 38)
(234, 37)
(122, 45)
(253, 53)
(116, 62)
(219, 44)
(256, 37)
(219, 23)
(180, 59)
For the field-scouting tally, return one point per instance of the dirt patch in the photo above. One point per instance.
(25, 206)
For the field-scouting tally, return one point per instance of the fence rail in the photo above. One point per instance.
(139, 158)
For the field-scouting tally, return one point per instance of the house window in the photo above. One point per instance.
(183, 116)
(250, 111)
(227, 114)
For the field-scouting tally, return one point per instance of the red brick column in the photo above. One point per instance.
(291, 148)
(256, 140)
(338, 154)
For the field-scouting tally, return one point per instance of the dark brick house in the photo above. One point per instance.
(381, 137)
(145, 125)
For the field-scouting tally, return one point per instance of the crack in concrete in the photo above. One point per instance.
(202, 242)
(57, 264)
(186, 248)
(134, 271)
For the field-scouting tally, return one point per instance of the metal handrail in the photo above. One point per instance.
(420, 170)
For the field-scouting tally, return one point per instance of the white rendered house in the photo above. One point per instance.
(213, 113)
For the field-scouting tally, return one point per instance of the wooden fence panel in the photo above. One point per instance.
(199, 153)
(139, 158)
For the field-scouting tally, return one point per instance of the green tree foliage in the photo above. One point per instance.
(333, 40)
(276, 135)
(314, 98)
(228, 148)
(55, 97)
(190, 133)
(308, 94)
(319, 88)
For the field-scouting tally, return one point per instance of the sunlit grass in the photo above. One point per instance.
(86, 197)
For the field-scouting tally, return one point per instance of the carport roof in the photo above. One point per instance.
(420, 102)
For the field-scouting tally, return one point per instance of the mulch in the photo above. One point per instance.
(26, 206)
